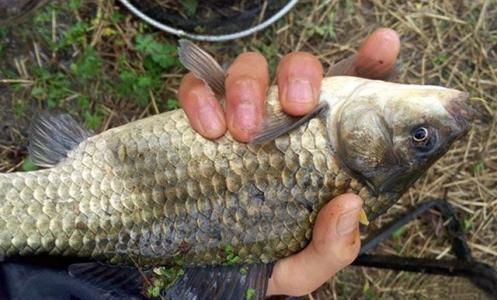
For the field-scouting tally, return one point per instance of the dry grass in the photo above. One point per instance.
(449, 43)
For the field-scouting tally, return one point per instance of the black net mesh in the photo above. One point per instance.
(210, 17)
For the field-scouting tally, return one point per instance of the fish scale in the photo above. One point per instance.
(153, 190)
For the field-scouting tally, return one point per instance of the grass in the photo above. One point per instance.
(97, 61)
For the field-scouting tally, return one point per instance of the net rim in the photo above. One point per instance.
(207, 37)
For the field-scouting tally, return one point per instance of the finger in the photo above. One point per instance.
(335, 244)
(201, 107)
(375, 58)
(299, 78)
(246, 87)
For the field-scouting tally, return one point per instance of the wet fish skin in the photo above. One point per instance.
(142, 190)
(153, 192)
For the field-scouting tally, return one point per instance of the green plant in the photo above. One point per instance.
(87, 66)
(73, 35)
(28, 165)
(231, 257)
(137, 86)
(250, 294)
(51, 86)
(157, 54)
(164, 279)
(190, 6)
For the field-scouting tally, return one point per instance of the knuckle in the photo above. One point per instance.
(347, 254)
(339, 252)
(251, 56)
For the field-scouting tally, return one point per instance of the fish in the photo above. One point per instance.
(154, 192)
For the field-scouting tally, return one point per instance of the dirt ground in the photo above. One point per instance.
(99, 62)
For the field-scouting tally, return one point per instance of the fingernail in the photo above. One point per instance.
(348, 221)
(245, 115)
(209, 119)
(299, 91)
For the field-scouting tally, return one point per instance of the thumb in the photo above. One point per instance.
(335, 244)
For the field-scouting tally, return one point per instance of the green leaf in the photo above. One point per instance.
(75, 4)
(249, 294)
(73, 35)
(164, 55)
(153, 291)
(92, 121)
(190, 6)
(28, 165)
(172, 104)
(88, 66)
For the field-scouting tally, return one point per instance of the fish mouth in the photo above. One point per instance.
(462, 113)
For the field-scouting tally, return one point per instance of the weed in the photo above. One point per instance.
(478, 167)
(368, 292)
(441, 58)
(397, 237)
(28, 165)
(190, 6)
(51, 86)
(20, 109)
(158, 58)
(250, 294)
(322, 31)
(137, 86)
(3, 36)
(231, 257)
(156, 53)
(172, 104)
(87, 66)
(165, 278)
(73, 35)
(467, 225)
(92, 120)
(270, 52)
(74, 4)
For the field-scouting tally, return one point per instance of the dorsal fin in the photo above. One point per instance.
(52, 136)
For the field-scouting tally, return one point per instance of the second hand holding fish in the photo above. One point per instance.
(335, 242)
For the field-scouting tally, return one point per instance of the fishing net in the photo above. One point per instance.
(209, 18)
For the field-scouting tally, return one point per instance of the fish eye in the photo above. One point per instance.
(423, 138)
(420, 134)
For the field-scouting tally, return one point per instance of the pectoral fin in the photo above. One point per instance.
(279, 123)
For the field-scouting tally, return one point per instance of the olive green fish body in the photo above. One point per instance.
(154, 190)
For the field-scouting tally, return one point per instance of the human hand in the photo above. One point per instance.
(299, 76)
(335, 242)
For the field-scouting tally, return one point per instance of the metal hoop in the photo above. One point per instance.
(210, 38)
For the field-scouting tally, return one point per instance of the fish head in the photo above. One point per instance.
(388, 134)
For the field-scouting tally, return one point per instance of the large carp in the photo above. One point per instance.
(152, 191)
